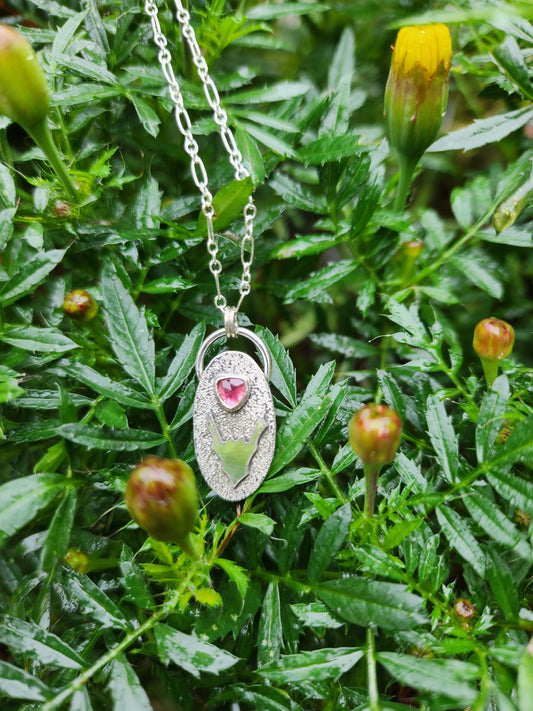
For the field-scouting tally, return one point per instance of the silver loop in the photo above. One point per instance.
(250, 335)
(231, 322)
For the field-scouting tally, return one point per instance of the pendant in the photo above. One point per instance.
(234, 423)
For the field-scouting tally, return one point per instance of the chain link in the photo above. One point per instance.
(198, 170)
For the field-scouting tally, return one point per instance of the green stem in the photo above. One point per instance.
(188, 545)
(326, 471)
(490, 368)
(165, 428)
(407, 169)
(371, 472)
(373, 694)
(80, 681)
(40, 133)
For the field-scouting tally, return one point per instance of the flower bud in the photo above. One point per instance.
(417, 88)
(464, 609)
(77, 559)
(80, 306)
(493, 341)
(374, 434)
(161, 497)
(62, 209)
(24, 95)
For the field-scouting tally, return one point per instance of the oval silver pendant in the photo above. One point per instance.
(234, 425)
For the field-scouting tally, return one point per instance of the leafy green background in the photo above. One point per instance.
(299, 602)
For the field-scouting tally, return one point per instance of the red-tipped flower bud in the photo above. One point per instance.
(374, 434)
(417, 87)
(80, 305)
(493, 341)
(161, 497)
(24, 95)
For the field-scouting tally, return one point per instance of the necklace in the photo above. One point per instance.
(234, 423)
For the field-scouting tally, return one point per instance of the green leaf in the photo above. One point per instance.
(182, 363)
(21, 499)
(190, 653)
(166, 285)
(283, 370)
(502, 584)
(107, 439)
(8, 191)
(80, 701)
(314, 288)
(269, 636)
(281, 91)
(329, 149)
(484, 131)
(317, 665)
(443, 437)
(236, 574)
(228, 202)
(110, 388)
(328, 542)
(6, 225)
(147, 116)
(491, 413)
(30, 275)
(57, 537)
(124, 687)
(448, 677)
(133, 580)
(370, 602)
(461, 538)
(294, 194)
(377, 562)
(39, 645)
(510, 61)
(525, 680)
(304, 246)
(477, 267)
(38, 340)
(289, 479)
(336, 122)
(262, 522)
(296, 429)
(316, 615)
(496, 525)
(517, 448)
(128, 331)
(90, 600)
(348, 346)
(273, 142)
(511, 487)
(16, 683)
(110, 413)
(286, 9)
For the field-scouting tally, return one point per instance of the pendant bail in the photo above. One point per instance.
(231, 322)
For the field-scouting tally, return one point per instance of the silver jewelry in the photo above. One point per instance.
(234, 422)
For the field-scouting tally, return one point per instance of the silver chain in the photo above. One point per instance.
(198, 170)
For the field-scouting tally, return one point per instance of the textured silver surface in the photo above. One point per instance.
(238, 425)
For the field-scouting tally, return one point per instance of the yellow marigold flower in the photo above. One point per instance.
(417, 87)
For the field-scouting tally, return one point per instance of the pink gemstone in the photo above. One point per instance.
(231, 391)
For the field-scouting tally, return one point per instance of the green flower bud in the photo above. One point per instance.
(493, 341)
(80, 305)
(161, 497)
(417, 88)
(24, 95)
(374, 434)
